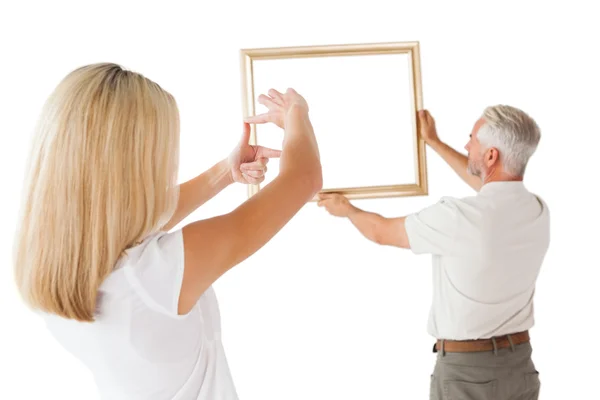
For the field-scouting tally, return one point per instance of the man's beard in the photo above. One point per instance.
(473, 168)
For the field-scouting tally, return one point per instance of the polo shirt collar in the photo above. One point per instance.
(502, 187)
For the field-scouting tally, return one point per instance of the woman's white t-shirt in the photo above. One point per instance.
(139, 347)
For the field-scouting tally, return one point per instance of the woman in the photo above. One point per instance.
(93, 252)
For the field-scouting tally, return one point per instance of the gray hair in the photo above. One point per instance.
(514, 133)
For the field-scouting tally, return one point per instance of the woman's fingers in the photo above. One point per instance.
(252, 180)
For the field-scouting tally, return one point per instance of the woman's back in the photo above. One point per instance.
(133, 302)
(138, 347)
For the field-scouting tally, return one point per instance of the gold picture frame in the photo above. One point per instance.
(249, 58)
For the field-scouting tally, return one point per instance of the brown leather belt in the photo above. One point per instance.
(466, 346)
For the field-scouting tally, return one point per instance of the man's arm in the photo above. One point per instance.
(381, 230)
(431, 230)
(457, 161)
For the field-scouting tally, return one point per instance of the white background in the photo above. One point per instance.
(321, 313)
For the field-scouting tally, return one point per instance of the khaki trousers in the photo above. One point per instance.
(508, 374)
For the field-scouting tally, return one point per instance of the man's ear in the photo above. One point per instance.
(492, 156)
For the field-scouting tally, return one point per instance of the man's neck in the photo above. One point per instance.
(501, 176)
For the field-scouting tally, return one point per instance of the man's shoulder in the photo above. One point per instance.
(544, 210)
(461, 208)
(541, 200)
(446, 208)
(459, 202)
(444, 202)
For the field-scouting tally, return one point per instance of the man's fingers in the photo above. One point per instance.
(267, 153)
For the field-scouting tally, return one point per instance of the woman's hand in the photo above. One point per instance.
(247, 163)
(278, 105)
(213, 246)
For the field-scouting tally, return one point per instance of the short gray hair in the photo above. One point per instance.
(514, 133)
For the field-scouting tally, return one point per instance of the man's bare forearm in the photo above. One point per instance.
(458, 162)
(367, 223)
(197, 191)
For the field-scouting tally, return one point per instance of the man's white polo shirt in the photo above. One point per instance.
(487, 252)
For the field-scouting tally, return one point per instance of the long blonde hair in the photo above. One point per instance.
(101, 177)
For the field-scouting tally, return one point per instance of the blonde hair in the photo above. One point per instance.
(101, 177)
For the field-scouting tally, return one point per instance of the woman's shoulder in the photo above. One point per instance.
(152, 271)
(166, 244)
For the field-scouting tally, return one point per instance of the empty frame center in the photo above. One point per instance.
(361, 109)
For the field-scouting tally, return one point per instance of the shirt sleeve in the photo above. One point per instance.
(432, 230)
(155, 271)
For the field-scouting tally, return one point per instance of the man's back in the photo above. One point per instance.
(487, 253)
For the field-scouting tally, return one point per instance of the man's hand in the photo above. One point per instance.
(278, 105)
(336, 204)
(247, 163)
(427, 128)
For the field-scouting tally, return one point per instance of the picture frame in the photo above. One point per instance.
(383, 138)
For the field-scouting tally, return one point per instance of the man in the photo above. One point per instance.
(487, 251)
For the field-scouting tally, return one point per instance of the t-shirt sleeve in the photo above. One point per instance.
(432, 230)
(155, 271)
